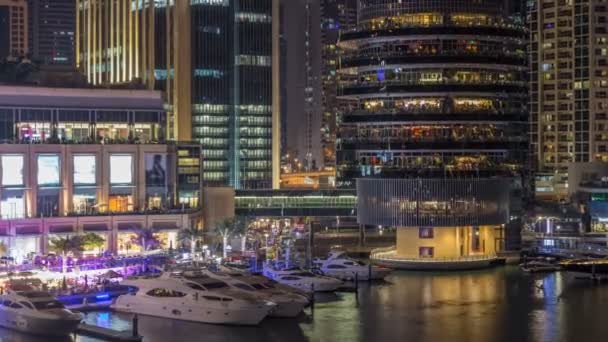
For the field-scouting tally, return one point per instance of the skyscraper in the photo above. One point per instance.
(216, 61)
(336, 16)
(434, 124)
(303, 80)
(52, 26)
(568, 88)
(13, 28)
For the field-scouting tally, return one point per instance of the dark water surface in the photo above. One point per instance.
(501, 304)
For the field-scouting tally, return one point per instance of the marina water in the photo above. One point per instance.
(501, 304)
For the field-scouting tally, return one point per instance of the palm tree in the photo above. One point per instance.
(193, 235)
(146, 238)
(229, 227)
(92, 241)
(64, 246)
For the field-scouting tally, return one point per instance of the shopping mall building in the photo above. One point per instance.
(433, 131)
(76, 161)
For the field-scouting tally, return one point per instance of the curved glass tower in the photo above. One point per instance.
(436, 99)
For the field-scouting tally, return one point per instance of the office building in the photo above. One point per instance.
(434, 126)
(568, 89)
(51, 27)
(13, 28)
(217, 65)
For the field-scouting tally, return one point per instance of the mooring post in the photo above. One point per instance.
(135, 326)
(312, 299)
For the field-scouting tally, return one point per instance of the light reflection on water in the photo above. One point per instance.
(492, 305)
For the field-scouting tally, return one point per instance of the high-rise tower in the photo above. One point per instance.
(433, 130)
(217, 63)
(13, 28)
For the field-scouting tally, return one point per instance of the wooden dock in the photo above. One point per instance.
(107, 334)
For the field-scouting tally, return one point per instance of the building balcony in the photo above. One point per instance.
(398, 115)
(505, 32)
(442, 58)
(387, 144)
(442, 88)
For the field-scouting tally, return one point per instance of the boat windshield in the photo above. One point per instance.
(244, 287)
(47, 305)
(215, 285)
(303, 274)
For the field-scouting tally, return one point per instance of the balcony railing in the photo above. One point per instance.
(434, 58)
(437, 88)
(390, 254)
(511, 32)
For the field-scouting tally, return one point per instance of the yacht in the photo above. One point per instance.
(37, 312)
(340, 266)
(288, 303)
(190, 301)
(301, 279)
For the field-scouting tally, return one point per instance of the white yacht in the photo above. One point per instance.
(190, 301)
(339, 265)
(301, 279)
(37, 313)
(288, 303)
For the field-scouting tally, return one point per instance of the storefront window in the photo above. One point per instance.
(113, 131)
(47, 204)
(188, 199)
(73, 131)
(121, 169)
(120, 203)
(24, 247)
(48, 170)
(12, 205)
(12, 170)
(126, 244)
(167, 240)
(84, 170)
(34, 131)
(84, 200)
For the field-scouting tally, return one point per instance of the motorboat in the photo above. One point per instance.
(337, 264)
(288, 303)
(187, 300)
(302, 279)
(37, 312)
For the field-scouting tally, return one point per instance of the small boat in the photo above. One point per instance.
(339, 265)
(92, 300)
(539, 267)
(37, 312)
(190, 301)
(301, 279)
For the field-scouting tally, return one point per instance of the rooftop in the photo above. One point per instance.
(24, 96)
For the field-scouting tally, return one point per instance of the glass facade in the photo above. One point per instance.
(71, 125)
(216, 75)
(432, 89)
(232, 91)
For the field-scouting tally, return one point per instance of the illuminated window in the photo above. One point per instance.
(12, 170)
